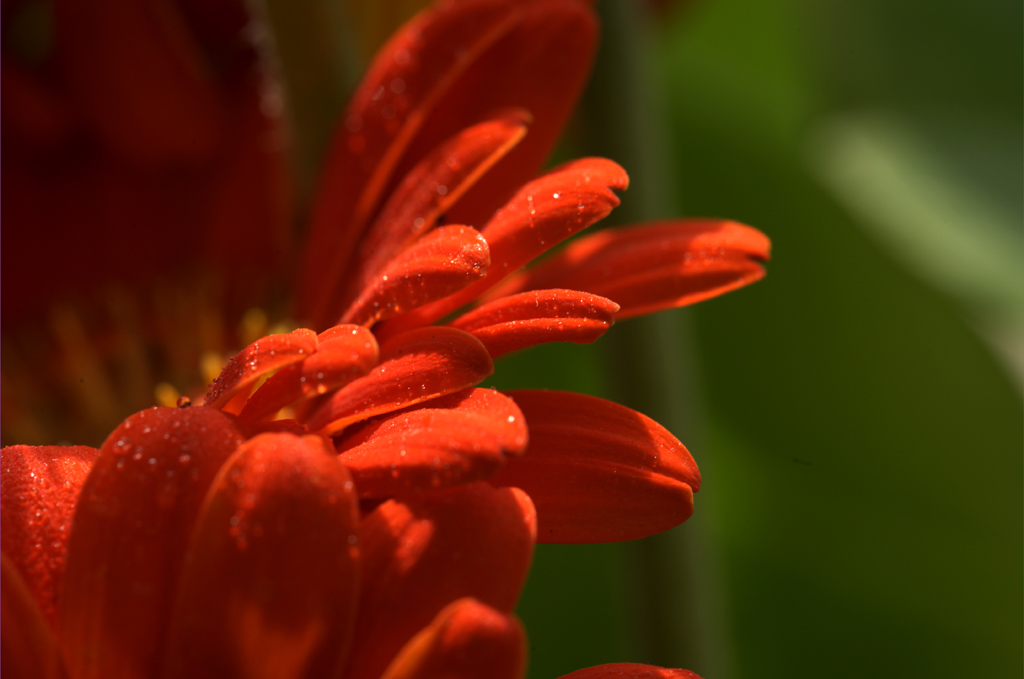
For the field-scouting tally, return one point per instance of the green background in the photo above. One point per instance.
(857, 415)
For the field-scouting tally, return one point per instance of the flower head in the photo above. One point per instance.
(346, 501)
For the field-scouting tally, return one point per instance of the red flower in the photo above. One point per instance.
(197, 553)
(346, 502)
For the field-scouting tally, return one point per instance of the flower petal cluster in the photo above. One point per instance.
(346, 501)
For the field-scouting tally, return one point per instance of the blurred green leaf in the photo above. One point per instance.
(862, 470)
(918, 203)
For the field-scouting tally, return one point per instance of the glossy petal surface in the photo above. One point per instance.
(408, 76)
(269, 583)
(598, 471)
(430, 189)
(467, 640)
(439, 264)
(541, 215)
(457, 438)
(450, 67)
(539, 65)
(519, 321)
(256, 360)
(39, 487)
(134, 519)
(343, 353)
(625, 670)
(655, 266)
(422, 553)
(414, 367)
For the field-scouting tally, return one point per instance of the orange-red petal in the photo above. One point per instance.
(410, 73)
(540, 65)
(439, 264)
(38, 491)
(655, 266)
(27, 647)
(421, 553)
(626, 670)
(256, 360)
(343, 353)
(457, 438)
(415, 367)
(450, 67)
(519, 321)
(541, 215)
(598, 471)
(429, 189)
(467, 640)
(133, 522)
(269, 582)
